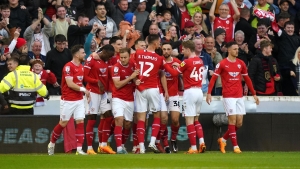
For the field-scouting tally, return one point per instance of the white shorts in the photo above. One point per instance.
(234, 106)
(105, 104)
(122, 108)
(192, 101)
(163, 103)
(173, 104)
(69, 108)
(148, 98)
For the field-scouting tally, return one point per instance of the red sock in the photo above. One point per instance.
(79, 133)
(89, 132)
(100, 128)
(174, 132)
(226, 135)
(56, 133)
(165, 138)
(134, 135)
(112, 127)
(125, 135)
(198, 128)
(140, 131)
(106, 129)
(236, 128)
(155, 127)
(118, 135)
(232, 134)
(191, 134)
(161, 131)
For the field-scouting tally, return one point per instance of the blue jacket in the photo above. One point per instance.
(208, 65)
(31, 56)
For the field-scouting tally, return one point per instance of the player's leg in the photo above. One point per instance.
(174, 108)
(198, 126)
(154, 99)
(141, 108)
(93, 109)
(66, 111)
(118, 112)
(163, 123)
(240, 111)
(100, 131)
(128, 118)
(189, 103)
(134, 135)
(79, 115)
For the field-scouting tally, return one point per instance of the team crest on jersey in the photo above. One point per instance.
(102, 70)
(234, 74)
(227, 22)
(67, 69)
(239, 66)
(89, 58)
(80, 78)
(182, 64)
(116, 70)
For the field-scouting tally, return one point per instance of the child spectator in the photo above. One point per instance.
(194, 7)
(128, 24)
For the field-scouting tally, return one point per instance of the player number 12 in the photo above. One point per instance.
(147, 71)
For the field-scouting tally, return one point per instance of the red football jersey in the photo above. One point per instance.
(172, 81)
(95, 70)
(122, 72)
(112, 61)
(227, 24)
(149, 64)
(231, 76)
(71, 70)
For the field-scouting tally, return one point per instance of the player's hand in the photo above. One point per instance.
(208, 99)
(211, 72)
(48, 71)
(292, 73)
(137, 82)
(175, 64)
(256, 99)
(100, 85)
(135, 73)
(55, 84)
(87, 95)
(166, 96)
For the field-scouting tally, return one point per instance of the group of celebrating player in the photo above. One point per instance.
(123, 87)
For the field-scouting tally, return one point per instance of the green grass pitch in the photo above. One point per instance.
(207, 160)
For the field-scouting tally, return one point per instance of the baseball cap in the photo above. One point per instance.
(189, 24)
(219, 31)
(143, 1)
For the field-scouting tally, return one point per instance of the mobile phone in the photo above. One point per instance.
(153, 8)
(6, 50)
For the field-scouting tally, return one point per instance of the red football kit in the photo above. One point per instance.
(123, 72)
(227, 24)
(149, 64)
(95, 70)
(112, 61)
(172, 81)
(71, 70)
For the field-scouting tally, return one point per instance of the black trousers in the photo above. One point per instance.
(14, 111)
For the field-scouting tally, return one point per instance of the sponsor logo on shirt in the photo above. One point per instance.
(67, 69)
(234, 75)
(80, 78)
(182, 64)
(102, 70)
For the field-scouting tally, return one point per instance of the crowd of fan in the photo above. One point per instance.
(47, 29)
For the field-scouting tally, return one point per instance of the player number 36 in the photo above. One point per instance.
(197, 74)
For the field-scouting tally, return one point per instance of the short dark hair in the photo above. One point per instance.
(75, 49)
(24, 59)
(139, 40)
(245, 12)
(103, 39)
(289, 23)
(152, 37)
(100, 4)
(114, 39)
(265, 22)
(5, 6)
(125, 50)
(108, 48)
(166, 11)
(13, 59)
(231, 43)
(167, 43)
(61, 6)
(283, 1)
(189, 45)
(82, 15)
(283, 15)
(60, 38)
(265, 43)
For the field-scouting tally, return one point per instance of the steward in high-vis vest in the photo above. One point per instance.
(23, 86)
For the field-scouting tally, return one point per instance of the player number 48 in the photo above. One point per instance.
(197, 74)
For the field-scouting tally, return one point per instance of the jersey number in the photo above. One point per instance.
(147, 71)
(197, 74)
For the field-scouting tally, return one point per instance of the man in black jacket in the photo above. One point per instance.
(76, 33)
(244, 25)
(263, 71)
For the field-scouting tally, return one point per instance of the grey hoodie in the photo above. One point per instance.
(111, 27)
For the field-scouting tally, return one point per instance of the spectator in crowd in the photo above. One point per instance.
(220, 35)
(103, 20)
(153, 30)
(244, 25)
(247, 3)
(90, 44)
(194, 6)
(288, 42)
(254, 42)
(263, 71)
(239, 4)
(283, 17)
(225, 20)
(152, 20)
(3, 104)
(141, 15)
(294, 7)
(35, 33)
(55, 61)
(129, 24)
(13, 62)
(171, 37)
(77, 33)
(71, 11)
(50, 9)
(104, 41)
(244, 53)
(21, 46)
(19, 18)
(189, 30)
(200, 25)
(5, 55)
(118, 12)
(35, 52)
(294, 66)
(264, 7)
(216, 57)
(4, 23)
(61, 24)
(166, 21)
(284, 6)
(100, 34)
